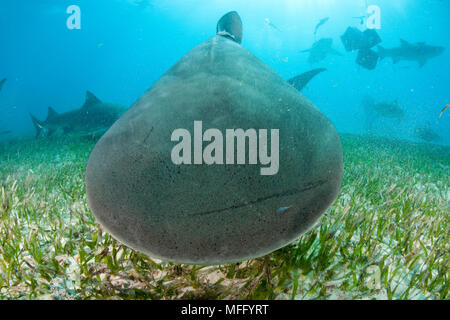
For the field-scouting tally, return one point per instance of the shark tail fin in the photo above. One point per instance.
(230, 26)
(382, 52)
(38, 125)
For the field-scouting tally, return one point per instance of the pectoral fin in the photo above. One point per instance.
(300, 81)
(422, 62)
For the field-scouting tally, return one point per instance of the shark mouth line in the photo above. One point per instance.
(291, 192)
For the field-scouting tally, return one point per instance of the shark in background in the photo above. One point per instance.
(321, 23)
(420, 52)
(425, 133)
(381, 109)
(92, 119)
(95, 117)
(320, 50)
(390, 110)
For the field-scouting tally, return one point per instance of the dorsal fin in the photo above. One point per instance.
(51, 113)
(405, 43)
(91, 100)
(230, 26)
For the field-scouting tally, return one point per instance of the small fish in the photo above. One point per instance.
(5, 132)
(101, 44)
(442, 112)
(270, 24)
(321, 23)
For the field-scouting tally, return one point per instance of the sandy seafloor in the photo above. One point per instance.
(386, 237)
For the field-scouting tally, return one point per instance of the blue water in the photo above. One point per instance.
(126, 45)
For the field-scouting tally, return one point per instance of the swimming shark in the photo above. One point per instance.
(270, 24)
(419, 52)
(388, 109)
(93, 118)
(384, 109)
(321, 23)
(320, 50)
(211, 212)
(426, 133)
(2, 83)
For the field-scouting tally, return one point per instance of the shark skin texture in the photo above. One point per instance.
(214, 214)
